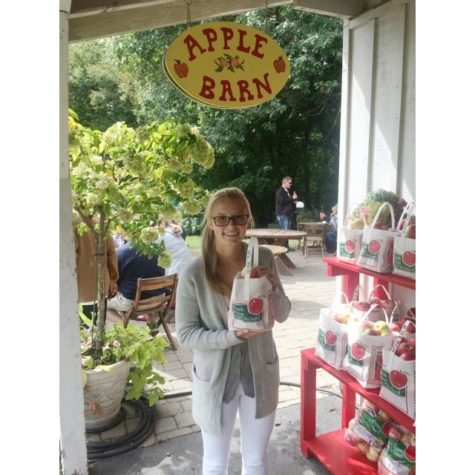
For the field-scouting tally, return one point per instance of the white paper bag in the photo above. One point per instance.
(398, 377)
(332, 333)
(251, 299)
(349, 241)
(377, 245)
(363, 359)
(404, 254)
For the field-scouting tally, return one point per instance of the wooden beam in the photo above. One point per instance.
(340, 8)
(147, 15)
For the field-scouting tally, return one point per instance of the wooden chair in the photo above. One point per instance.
(157, 307)
(315, 238)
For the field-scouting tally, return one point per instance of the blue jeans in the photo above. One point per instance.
(283, 221)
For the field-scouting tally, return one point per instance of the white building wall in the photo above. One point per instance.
(72, 425)
(377, 147)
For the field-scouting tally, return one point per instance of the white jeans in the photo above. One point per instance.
(255, 435)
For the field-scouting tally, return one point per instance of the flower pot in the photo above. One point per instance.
(103, 392)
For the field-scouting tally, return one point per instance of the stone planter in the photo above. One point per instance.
(103, 393)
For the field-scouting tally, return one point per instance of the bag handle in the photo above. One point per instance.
(339, 294)
(252, 259)
(402, 334)
(388, 295)
(375, 220)
(375, 305)
(405, 212)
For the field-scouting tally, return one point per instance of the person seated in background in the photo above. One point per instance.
(119, 237)
(86, 265)
(331, 233)
(133, 265)
(175, 245)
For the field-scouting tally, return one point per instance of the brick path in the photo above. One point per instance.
(309, 289)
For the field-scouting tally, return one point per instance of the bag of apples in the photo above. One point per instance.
(377, 244)
(398, 375)
(366, 341)
(251, 303)
(399, 455)
(369, 430)
(404, 256)
(349, 241)
(332, 334)
(387, 304)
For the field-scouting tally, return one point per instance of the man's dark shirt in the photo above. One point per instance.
(283, 202)
(131, 267)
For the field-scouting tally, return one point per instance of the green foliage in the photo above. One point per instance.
(99, 91)
(128, 177)
(296, 133)
(370, 205)
(134, 344)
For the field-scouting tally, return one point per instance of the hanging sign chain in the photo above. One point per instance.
(188, 12)
(267, 16)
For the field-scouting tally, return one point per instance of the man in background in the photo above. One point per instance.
(285, 199)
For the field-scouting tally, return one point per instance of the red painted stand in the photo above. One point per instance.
(351, 276)
(331, 449)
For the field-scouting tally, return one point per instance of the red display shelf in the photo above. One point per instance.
(338, 456)
(331, 449)
(351, 273)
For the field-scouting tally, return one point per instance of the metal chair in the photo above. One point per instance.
(157, 307)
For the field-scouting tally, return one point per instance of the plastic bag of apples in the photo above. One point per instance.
(332, 332)
(369, 430)
(399, 455)
(366, 341)
(398, 374)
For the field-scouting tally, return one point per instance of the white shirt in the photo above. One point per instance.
(179, 250)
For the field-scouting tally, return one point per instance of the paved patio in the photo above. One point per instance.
(309, 289)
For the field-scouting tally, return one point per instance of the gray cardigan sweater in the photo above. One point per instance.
(201, 325)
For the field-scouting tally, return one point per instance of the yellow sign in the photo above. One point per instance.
(227, 65)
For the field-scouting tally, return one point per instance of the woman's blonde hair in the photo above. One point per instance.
(207, 235)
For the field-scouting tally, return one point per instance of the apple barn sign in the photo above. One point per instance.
(227, 65)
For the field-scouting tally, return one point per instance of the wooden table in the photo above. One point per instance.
(277, 237)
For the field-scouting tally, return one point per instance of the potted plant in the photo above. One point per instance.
(125, 177)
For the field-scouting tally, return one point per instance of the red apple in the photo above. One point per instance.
(358, 351)
(255, 306)
(395, 433)
(181, 69)
(375, 301)
(398, 379)
(407, 356)
(374, 246)
(350, 246)
(410, 453)
(330, 337)
(387, 426)
(279, 65)
(361, 306)
(255, 272)
(395, 327)
(371, 332)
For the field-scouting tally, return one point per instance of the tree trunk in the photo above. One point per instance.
(101, 307)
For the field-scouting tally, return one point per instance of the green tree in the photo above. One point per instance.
(296, 133)
(127, 177)
(99, 91)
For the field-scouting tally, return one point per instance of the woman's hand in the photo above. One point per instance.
(247, 334)
(265, 271)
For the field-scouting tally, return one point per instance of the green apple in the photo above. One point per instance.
(381, 326)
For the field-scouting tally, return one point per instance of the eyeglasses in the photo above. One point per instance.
(238, 220)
